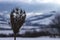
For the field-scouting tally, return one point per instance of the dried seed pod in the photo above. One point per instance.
(17, 18)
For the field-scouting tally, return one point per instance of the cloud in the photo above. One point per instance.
(28, 5)
(33, 1)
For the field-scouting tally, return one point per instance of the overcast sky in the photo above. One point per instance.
(33, 1)
(31, 5)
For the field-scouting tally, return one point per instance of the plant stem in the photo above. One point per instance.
(14, 36)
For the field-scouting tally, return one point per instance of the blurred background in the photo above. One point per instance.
(40, 17)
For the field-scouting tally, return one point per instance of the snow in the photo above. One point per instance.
(28, 28)
(38, 38)
(5, 26)
(6, 32)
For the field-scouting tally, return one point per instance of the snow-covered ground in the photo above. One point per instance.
(38, 38)
(34, 22)
(40, 19)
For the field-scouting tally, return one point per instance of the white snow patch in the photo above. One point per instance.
(38, 38)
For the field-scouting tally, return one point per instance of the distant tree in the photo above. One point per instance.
(56, 23)
(17, 18)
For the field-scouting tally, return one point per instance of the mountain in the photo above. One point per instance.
(33, 24)
(36, 20)
(39, 23)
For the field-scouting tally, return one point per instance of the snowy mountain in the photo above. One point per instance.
(38, 19)
(2, 20)
(34, 23)
(31, 20)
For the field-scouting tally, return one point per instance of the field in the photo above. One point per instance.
(38, 38)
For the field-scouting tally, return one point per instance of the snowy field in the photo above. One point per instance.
(38, 38)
